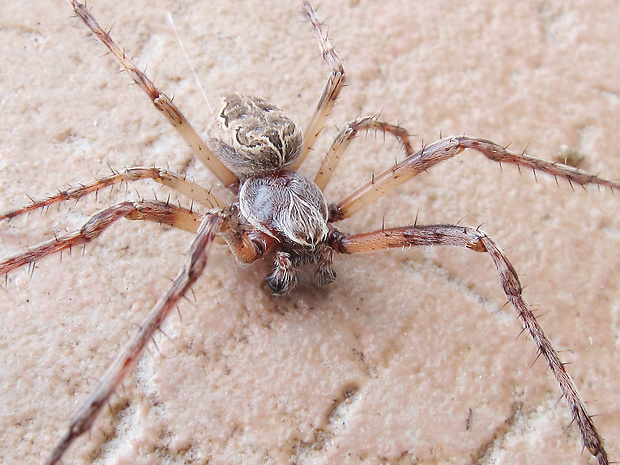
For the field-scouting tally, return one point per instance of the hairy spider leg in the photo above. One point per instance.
(347, 134)
(125, 361)
(158, 212)
(474, 239)
(161, 176)
(161, 101)
(445, 149)
(334, 85)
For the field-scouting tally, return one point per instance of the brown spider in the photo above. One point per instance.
(279, 283)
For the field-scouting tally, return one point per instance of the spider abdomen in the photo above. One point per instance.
(253, 137)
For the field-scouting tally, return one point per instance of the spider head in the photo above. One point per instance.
(287, 206)
(290, 208)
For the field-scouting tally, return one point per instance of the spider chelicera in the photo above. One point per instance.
(303, 235)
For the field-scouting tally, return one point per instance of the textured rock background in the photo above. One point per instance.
(410, 355)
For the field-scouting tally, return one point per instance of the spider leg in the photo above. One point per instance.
(332, 89)
(445, 149)
(460, 236)
(167, 178)
(123, 364)
(245, 242)
(347, 134)
(159, 212)
(161, 101)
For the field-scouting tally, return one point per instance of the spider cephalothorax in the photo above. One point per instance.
(291, 209)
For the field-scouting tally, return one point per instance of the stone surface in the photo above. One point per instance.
(410, 356)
